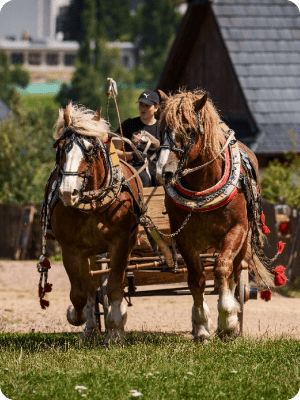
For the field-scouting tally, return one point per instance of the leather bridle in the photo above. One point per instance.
(90, 155)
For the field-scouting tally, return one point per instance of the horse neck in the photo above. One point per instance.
(206, 177)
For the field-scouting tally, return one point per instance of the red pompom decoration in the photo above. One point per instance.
(45, 263)
(280, 278)
(280, 247)
(262, 218)
(284, 227)
(44, 303)
(266, 294)
(265, 229)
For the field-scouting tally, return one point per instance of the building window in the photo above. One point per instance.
(34, 58)
(17, 58)
(52, 59)
(70, 59)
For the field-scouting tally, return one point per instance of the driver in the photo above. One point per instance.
(139, 128)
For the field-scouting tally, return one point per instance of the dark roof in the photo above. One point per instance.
(4, 109)
(263, 41)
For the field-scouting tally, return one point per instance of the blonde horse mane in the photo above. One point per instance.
(82, 122)
(178, 113)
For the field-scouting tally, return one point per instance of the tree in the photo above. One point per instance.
(154, 28)
(113, 17)
(282, 180)
(27, 156)
(8, 77)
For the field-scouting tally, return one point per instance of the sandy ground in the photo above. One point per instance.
(20, 310)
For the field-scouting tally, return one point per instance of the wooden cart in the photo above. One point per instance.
(146, 267)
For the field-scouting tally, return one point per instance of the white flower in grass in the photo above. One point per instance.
(190, 373)
(149, 374)
(234, 371)
(135, 393)
(79, 388)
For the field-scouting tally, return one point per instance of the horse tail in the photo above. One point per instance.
(256, 263)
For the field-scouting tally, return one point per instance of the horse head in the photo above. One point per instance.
(181, 121)
(80, 153)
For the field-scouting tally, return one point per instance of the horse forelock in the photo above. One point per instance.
(179, 115)
(82, 122)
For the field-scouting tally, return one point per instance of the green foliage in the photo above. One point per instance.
(154, 29)
(282, 179)
(38, 101)
(27, 156)
(112, 17)
(89, 85)
(10, 76)
(160, 366)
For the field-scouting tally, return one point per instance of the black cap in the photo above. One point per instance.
(149, 97)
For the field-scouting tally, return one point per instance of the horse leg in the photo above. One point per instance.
(117, 313)
(227, 272)
(81, 288)
(201, 320)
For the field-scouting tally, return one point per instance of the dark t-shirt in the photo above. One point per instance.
(135, 125)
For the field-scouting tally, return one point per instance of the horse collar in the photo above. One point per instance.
(216, 196)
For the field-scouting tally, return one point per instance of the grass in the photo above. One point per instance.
(38, 101)
(160, 366)
(291, 290)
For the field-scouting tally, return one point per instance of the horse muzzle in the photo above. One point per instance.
(68, 198)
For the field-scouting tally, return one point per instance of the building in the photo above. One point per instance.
(246, 54)
(47, 56)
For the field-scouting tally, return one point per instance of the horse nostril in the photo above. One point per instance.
(75, 192)
(168, 176)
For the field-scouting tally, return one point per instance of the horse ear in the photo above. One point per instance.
(97, 116)
(199, 104)
(163, 96)
(67, 116)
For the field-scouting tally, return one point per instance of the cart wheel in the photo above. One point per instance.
(105, 302)
(241, 298)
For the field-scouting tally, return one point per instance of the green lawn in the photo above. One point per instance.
(158, 366)
(38, 101)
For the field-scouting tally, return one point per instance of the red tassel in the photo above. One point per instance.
(266, 294)
(44, 303)
(45, 263)
(280, 247)
(265, 229)
(50, 237)
(48, 288)
(280, 278)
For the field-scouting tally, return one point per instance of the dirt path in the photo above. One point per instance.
(20, 310)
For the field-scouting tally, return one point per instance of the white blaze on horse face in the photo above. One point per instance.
(71, 184)
(162, 160)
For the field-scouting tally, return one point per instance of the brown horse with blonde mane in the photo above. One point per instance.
(91, 209)
(213, 201)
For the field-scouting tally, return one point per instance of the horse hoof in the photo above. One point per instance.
(90, 335)
(228, 334)
(75, 319)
